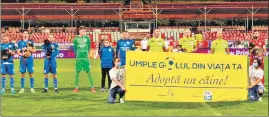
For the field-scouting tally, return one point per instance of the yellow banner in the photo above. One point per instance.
(174, 77)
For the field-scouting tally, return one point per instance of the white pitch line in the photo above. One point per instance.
(216, 113)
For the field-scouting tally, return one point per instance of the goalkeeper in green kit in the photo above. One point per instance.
(82, 50)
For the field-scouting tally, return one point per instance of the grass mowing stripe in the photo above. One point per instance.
(209, 108)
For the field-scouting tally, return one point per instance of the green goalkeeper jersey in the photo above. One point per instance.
(82, 48)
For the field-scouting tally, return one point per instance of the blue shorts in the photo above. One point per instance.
(52, 70)
(50, 66)
(253, 92)
(7, 69)
(29, 64)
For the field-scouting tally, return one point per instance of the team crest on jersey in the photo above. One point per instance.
(109, 50)
(82, 42)
(128, 42)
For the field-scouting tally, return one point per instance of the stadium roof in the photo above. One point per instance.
(111, 11)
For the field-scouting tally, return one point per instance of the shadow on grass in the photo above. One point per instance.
(98, 101)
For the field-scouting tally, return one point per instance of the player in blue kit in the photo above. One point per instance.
(25, 50)
(123, 45)
(50, 65)
(7, 65)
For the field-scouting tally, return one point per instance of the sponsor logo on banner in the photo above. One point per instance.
(208, 95)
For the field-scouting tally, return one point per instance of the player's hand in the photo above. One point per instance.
(23, 49)
(48, 56)
(21, 54)
(4, 57)
(11, 52)
(249, 87)
(123, 88)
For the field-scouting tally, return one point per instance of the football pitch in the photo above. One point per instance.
(85, 103)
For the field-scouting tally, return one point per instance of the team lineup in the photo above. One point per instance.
(112, 63)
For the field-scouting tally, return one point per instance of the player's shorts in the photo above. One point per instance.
(83, 65)
(52, 70)
(26, 64)
(7, 69)
(50, 66)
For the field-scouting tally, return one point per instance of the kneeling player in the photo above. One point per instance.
(256, 88)
(51, 50)
(7, 65)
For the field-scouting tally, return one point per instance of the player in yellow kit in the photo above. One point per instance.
(219, 46)
(187, 43)
(156, 43)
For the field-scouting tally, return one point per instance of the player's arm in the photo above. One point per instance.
(164, 46)
(12, 49)
(141, 45)
(264, 49)
(99, 49)
(258, 79)
(117, 49)
(227, 48)
(19, 50)
(100, 53)
(133, 45)
(195, 46)
(212, 50)
(148, 45)
(75, 46)
(113, 51)
(181, 45)
(114, 78)
(89, 43)
(89, 46)
(56, 52)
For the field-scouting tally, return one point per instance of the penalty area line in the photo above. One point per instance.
(208, 107)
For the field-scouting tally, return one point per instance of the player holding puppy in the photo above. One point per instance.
(25, 50)
(7, 65)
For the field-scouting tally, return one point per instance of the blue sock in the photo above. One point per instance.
(12, 83)
(22, 82)
(55, 81)
(32, 83)
(46, 83)
(3, 83)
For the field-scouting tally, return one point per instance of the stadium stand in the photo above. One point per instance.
(62, 35)
(66, 35)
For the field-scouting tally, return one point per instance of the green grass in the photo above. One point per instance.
(87, 103)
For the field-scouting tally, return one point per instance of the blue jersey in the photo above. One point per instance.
(23, 44)
(5, 47)
(54, 49)
(122, 46)
(107, 55)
